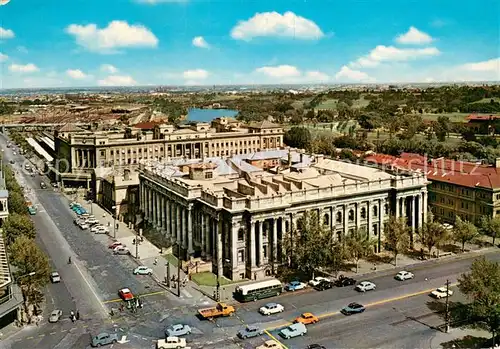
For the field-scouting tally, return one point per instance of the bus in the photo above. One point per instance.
(258, 290)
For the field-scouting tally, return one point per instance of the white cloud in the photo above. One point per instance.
(492, 65)
(20, 68)
(414, 36)
(280, 71)
(347, 74)
(195, 74)
(316, 76)
(118, 34)
(3, 57)
(6, 33)
(274, 24)
(76, 74)
(383, 53)
(199, 41)
(117, 80)
(108, 68)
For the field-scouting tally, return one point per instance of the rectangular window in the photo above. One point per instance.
(208, 175)
(264, 251)
(241, 256)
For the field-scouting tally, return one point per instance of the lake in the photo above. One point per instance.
(207, 115)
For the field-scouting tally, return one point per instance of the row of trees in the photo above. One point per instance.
(31, 263)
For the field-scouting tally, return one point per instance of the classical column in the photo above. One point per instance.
(177, 222)
(234, 245)
(168, 217)
(381, 215)
(275, 240)
(218, 237)
(424, 206)
(358, 215)
(189, 212)
(162, 212)
(261, 244)
(345, 216)
(203, 242)
(398, 208)
(252, 244)
(368, 218)
(209, 235)
(148, 204)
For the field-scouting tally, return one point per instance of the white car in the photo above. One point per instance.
(55, 277)
(99, 229)
(142, 270)
(171, 343)
(364, 286)
(91, 221)
(317, 280)
(270, 344)
(83, 226)
(441, 293)
(271, 308)
(404, 275)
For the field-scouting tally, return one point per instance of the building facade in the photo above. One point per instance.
(4, 198)
(235, 212)
(456, 188)
(78, 151)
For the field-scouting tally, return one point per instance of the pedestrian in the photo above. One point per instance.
(78, 315)
(122, 307)
(156, 261)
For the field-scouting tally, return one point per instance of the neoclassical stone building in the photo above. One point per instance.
(235, 211)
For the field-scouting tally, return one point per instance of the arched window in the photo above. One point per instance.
(375, 211)
(339, 217)
(326, 219)
(363, 212)
(241, 234)
(351, 215)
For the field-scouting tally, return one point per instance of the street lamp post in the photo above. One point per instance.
(114, 222)
(29, 274)
(91, 207)
(447, 310)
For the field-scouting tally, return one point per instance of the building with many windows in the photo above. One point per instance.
(469, 190)
(79, 151)
(234, 212)
(4, 198)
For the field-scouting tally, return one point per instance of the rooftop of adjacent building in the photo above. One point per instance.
(270, 173)
(463, 173)
(477, 117)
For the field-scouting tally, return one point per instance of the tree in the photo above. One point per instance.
(490, 226)
(311, 244)
(17, 225)
(298, 137)
(464, 232)
(358, 245)
(432, 234)
(482, 287)
(397, 235)
(28, 258)
(17, 203)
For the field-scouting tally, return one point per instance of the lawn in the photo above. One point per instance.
(332, 104)
(454, 117)
(209, 279)
(172, 260)
(487, 100)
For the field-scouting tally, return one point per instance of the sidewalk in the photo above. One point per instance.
(147, 254)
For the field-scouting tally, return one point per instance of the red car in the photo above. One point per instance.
(125, 294)
(115, 244)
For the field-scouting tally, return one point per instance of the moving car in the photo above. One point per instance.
(294, 330)
(364, 286)
(316, 281)
(121, 250)
(125, 294)
(324, 285)
(55, 315)
(178, 330)
(142, 270)
(441, 293)
(343, 281)
(104, 339)
(352, 308)
(306, 319)
(98, 229)
(115, 245)
(270, 344)
(295, 286)
(271, 308)
(221, 309)
(171, 343)
(55, 277)
(315, 346)
(249, 332)
(404, 275)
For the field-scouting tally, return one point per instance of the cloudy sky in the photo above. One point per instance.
(190, 42)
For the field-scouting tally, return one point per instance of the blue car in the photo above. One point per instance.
(249, 332)
(293, 330)
(177, 330)
(353, 308)
(295, 286)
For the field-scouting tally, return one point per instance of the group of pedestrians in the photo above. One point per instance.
(74, 316)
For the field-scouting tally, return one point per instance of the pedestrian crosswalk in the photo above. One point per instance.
(186, 294)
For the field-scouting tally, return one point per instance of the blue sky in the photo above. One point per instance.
(140, 42)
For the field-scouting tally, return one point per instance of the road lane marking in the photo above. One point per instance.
(277, 341)
(104, 309)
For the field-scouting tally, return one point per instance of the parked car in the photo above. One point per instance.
(294, 330)
(249, 332)
(95, 228)
(102, 230)
(343, 281)
(364, 286)
(271, 308)
(83, 226)
(142, 270)
(324, 285)
(315, 346)
(121, 250)
(55, 316)
(178, 330)
(92, 221)
(125, 294)
(352, 308)
(295, 286)
(115, 245)
(55, 277)
(270, 344)
(317, 280)
(404, 275)
(441, 292)
(104, 339)
(306, 319)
